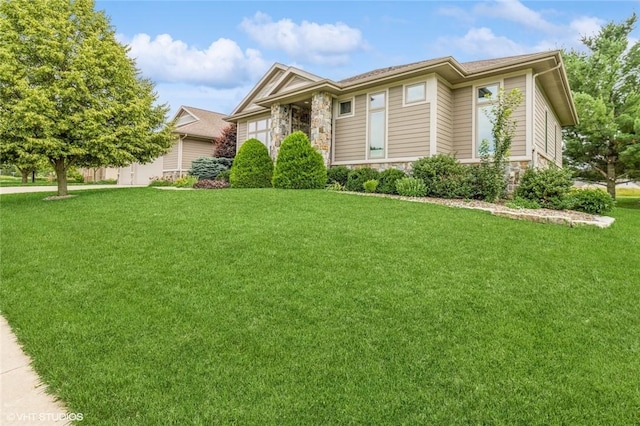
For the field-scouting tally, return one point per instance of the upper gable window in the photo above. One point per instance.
(488, 93)
(414, 93)
(345, 108)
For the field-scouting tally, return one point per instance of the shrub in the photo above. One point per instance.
(185, 182)
(211, 184)
(225, 144)
(523, 203)
(161, 181)
(546, 186)
(443, 176)
(299, 165)
(252, 167)
(358, 177)
(486, 182)
(337, 174)
(411, 187)
(209, 167)
(388, 180)
(370, 186)
(224, 175)
(335, 186)
(593, 201)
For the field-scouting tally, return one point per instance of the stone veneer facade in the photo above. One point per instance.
(321, 117)
(280, 126)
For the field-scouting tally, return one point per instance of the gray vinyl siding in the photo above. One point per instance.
(462, 122)
(445, 119)
(294, 82)
(192, 149)
(350, 133)
(553, 149)
(518, 145)
(170, 159)
(408, 127)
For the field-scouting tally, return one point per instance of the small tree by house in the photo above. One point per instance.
(225, 144)
(252, 167)
(299, 165)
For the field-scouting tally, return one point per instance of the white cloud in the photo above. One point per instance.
(586, 26)
(213, 99)
(482, 43)
(308, 41)
(515, 11)
(222, 64)
(457, 13)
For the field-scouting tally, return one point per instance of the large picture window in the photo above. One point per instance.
(261, 130)
(377, 125)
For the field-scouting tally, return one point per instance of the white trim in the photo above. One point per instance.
(353, 107)
(386, 122)
(432, 100)
(387, 86)
(180, 154)
(486, 80)
(477, 160)
(377, 161)
(474, 112)
(418, 102)
(529, 115)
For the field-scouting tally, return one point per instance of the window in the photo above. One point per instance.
(377, 124)
(485, 95)
(261, 130)
(488, 93)
(415, 93)
(345, 108)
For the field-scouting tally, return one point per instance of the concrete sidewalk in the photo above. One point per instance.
(23, 400)
(23, 189)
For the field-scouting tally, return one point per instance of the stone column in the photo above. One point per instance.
(321, 118)
(280, 126)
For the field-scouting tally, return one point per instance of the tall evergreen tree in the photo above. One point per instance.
(69, 93)
(605, 83)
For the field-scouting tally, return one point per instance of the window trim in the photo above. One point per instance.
(406, 86)
(353, 108)
(477, 106)
(385, 109)
(254, 133)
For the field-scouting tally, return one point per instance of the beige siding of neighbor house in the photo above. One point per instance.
(170, 159)
(518, 144)
(462, 122)
(445, 119)
(192, 149)
(350, 133)
(553, 148)
(408, 127)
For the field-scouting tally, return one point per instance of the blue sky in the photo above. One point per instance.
(209, 54)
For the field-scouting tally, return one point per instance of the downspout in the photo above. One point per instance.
(533, 114)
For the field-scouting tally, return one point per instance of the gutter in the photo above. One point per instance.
(534, 151)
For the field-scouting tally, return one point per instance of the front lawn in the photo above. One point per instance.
(142, 306)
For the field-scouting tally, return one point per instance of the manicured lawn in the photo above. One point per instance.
(311, 307)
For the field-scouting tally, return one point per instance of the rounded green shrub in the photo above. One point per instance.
(443, 176)
(358, 177)
(411, 187)
(593, 201)
(388, 180)
(338, 174)
(370, 186)
(252, 167)
(549, 187)
(299, 165)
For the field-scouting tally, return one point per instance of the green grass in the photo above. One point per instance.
(142, 306)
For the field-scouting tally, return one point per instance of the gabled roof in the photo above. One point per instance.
(206, 124)
(542, 64)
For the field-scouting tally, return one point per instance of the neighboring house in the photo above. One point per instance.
(195, 131)
(393, 116)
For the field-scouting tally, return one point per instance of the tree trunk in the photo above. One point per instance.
(611, 176)
(61, 176)
(25, 175)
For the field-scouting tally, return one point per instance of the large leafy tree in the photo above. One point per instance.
(69, 93)
(605, 82)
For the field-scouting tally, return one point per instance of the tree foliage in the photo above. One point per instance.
(225, 144)
(605, 82)
(299, 165)
(69, 93)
